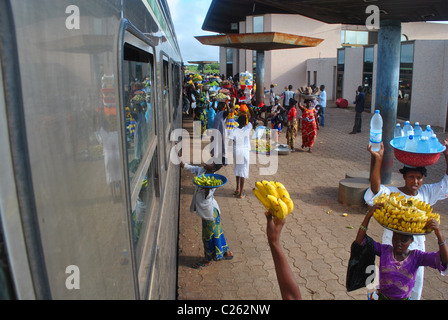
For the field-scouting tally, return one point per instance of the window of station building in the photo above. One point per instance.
(254, 64)
(354, 37)
(229, 62)
(405, 81)
(340, 72)
(368, 74)
(139, 113)
(258, 24)
(341, 59)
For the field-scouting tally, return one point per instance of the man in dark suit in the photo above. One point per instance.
(359, 108)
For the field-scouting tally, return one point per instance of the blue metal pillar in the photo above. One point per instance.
(388, 72)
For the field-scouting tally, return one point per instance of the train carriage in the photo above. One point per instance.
(89, 199)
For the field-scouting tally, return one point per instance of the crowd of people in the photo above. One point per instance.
(288, 111)
(402, 257)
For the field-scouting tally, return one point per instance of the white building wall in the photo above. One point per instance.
(429, 83)
(289, 66)
(325, 68)
(353, 71)
(424, 31)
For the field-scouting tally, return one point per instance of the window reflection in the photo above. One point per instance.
(139, 112)
(143, 207)
(108, 137)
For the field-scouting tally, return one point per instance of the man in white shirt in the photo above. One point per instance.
(288, 95)
(322, 101)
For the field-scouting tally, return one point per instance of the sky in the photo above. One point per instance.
(188, 17)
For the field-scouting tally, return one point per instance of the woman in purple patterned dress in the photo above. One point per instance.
(398, 264)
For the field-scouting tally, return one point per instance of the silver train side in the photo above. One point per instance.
(89, 199)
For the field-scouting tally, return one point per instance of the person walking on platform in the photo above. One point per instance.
(359, 108)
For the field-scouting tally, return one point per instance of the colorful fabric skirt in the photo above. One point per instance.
(231, 124)
(215, 244)
(309, 128)
(201, 115)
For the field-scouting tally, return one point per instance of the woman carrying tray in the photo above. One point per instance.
(414, 187)
(398, 264)
(206, 206)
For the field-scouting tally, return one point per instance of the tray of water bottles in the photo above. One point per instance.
(416, 147)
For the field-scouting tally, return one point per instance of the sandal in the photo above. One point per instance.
(227, 256)
(236, 192)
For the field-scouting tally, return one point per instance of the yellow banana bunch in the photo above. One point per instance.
(207, 181)
(275, 198)
(407, 215)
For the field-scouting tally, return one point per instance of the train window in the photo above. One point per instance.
(176, 90)
(139, 113)
(166, 95)
(147, 202)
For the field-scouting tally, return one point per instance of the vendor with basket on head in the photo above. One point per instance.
(399, 264)
(414, 187)
(206, 206)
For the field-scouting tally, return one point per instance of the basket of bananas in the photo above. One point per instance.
(210, 180)
(407, 216)
(275, 198)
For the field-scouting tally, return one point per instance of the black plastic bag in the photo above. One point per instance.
(361, 257)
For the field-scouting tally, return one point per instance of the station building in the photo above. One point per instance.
(346, 59)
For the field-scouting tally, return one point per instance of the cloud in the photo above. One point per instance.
(188, 17)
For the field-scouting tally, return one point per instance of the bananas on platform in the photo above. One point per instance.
(207, 181)
(406, 215)
(275, 198)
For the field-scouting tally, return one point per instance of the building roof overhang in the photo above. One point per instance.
(202, 62)
(222, 13)
(263, 41)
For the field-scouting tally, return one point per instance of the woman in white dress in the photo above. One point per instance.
(414, 187)
(241, 153)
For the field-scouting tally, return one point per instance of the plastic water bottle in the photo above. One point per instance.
(399, 138)
(411, 144)
(434, 144)
(428, 132)
(398, 132)
(407, 129)
(417, 131)
(376, 131)
(247, 94)
(423, 145)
